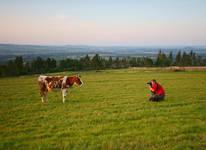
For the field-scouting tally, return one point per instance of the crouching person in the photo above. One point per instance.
(158, 92)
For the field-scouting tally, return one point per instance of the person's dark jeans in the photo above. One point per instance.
(156, 97)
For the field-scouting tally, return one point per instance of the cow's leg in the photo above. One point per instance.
(43, 92)
(64, 93)
(46, 96)
(42, 96)
(42, 99)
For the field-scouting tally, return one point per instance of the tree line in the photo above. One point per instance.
(18, 66)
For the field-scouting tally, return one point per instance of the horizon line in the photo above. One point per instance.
(107, 45)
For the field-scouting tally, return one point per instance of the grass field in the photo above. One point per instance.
(110, 111)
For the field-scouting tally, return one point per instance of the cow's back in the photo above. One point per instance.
(50, 82)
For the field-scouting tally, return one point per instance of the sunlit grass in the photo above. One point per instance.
(110, 111)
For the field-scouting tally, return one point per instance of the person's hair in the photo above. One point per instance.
(154, 80)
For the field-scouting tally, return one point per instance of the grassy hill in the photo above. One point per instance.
(110, 111)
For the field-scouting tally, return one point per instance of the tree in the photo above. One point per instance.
(162, 60)
(133, 62)
(117, 62)
(193, 58)
(11, 68)
(86, 62)
(178, 59)
(186, 59)
(19, 65)
(147, 62)
(97, 62)
(27, 68)
(3, 70)
(170, 57)
(109, 63)
(38, 65)
(50, 65)
(124, 62)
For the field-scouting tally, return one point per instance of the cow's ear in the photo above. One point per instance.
(78, 75)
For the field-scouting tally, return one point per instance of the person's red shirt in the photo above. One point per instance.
(158, 89)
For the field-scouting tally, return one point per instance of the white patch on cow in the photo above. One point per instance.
(42, 78)
(64, 80)
(64, 93)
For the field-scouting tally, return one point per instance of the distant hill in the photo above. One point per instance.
(29, 52)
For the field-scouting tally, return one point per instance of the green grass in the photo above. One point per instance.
(110, 111)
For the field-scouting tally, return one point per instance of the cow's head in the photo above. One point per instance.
(77, 80)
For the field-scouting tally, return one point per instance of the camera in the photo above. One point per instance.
(150, 83)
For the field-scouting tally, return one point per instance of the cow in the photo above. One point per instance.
(52, 83)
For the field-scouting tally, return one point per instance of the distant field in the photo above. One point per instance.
(110, 111)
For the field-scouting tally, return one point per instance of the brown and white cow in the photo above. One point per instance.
(52, 83)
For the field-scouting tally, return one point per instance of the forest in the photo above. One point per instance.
(39, 65)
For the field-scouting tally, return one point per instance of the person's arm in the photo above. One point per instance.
(153, 88)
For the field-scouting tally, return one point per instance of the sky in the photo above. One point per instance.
(103, 22)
